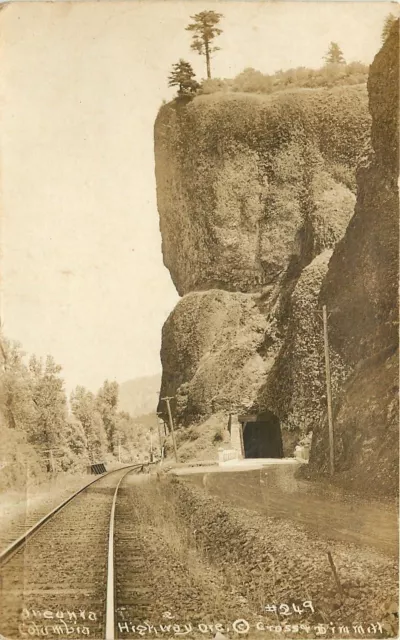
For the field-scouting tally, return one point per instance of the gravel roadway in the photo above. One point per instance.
(327, 511)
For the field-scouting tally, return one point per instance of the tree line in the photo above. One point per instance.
(60, 433)
(204, 28)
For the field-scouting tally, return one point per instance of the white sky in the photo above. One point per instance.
(80, 86)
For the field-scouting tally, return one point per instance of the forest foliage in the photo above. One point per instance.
(43, 432)
(252, 81)
(334, 72)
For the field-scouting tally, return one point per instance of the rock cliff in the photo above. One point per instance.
(250, 186)
(254, 192)
(212, 352)
(361, 290)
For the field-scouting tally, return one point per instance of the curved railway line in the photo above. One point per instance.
(57, 579)
(123, 558)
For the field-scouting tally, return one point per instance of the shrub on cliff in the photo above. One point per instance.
(252, 81)
(387, 27)
(214, 85)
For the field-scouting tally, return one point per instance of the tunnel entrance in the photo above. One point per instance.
(262, 436)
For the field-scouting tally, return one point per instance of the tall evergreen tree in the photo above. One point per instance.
(204, 32)
(183, 76)
(334, 54)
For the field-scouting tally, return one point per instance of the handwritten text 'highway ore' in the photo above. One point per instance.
(242, 627)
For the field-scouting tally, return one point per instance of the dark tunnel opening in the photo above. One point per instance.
(262, 437)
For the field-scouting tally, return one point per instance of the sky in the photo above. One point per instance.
(80, 87)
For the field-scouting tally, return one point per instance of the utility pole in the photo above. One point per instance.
(159, 435)
(151, 446)
(328, 390)
(119, 447)
(52, 460)
(171, 423)
(159, 414)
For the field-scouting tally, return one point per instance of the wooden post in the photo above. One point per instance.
(52, 461)
(119, 447)
(159, 435)
(171, 423)
(328, 391)
(335, 575)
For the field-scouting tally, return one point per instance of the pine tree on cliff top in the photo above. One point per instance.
(183, 76)
(204, 31)
(334, 55)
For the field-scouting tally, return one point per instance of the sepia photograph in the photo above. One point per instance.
(199, 282)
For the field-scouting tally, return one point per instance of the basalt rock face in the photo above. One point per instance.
(211, 347)
(253, 194)
(361, 290)
(250, 187)
(295, 388)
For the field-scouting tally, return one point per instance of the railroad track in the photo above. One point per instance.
(57, 579)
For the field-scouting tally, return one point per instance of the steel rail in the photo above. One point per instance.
(110, 594)
(15, 546)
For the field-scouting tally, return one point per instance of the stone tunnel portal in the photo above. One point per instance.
(262, 436)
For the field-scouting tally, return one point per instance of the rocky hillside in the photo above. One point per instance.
(254, 193)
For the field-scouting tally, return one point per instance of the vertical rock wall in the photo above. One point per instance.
(361, 290)
(254, 193)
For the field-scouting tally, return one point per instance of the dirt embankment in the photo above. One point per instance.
(210, 563)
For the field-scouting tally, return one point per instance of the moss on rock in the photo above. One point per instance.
(210, 353)
(295, 388)
(243, 178)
